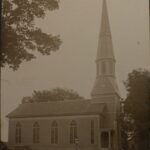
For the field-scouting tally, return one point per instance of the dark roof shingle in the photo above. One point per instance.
(59, 108)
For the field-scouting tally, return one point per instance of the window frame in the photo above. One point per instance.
(92, 132)
(36, 133)
(54, 133)
(73, 132)
(18, 134)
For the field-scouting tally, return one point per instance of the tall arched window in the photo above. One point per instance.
(73, 132)
(54, 133)
(18, 133)
(36, 133)
(92, 131)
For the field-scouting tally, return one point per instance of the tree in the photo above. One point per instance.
(126, 128)
(56, 94)
(123, 131)
(20, 36)
(137, 105)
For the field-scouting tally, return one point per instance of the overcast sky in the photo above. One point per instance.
(73, 66)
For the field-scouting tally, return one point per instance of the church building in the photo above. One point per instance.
(74, 124)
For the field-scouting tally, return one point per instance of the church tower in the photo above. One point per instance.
(105, 90)
(105, 84)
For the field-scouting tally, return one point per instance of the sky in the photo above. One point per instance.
(73, 66)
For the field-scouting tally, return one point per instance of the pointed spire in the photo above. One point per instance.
(105, 83)
(105, 28)
(105, 47)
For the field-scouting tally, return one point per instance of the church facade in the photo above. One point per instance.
(74, 124)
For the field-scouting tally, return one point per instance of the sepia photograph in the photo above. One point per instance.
(75, 75)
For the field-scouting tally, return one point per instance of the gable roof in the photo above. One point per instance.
(58, 108)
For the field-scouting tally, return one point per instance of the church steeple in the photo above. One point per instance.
(105, 61)
(105, 20)
(105, 47)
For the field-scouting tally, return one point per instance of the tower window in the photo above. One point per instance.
(103, 67)
(104, 139)
(110, 67)
(18, 133)
(36, 133)
(73, 132)
(92, 131)
(97, 69)
(54, 133)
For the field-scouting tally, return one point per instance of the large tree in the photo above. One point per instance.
(20, 36)
(56, 94)
(123, 131)
(137, 105)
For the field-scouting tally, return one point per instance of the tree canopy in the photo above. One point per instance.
(137, 103)
(20, 36)
(56, 94)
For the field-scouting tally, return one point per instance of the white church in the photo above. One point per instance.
(75, 124)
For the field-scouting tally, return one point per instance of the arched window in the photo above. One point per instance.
(54, 133)
(73, 132)
(92, 131)
(18, 133)
(104, 139)
(36, 133)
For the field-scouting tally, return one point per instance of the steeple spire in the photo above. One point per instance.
(105, 77)
(105, 47)
(105, 21)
